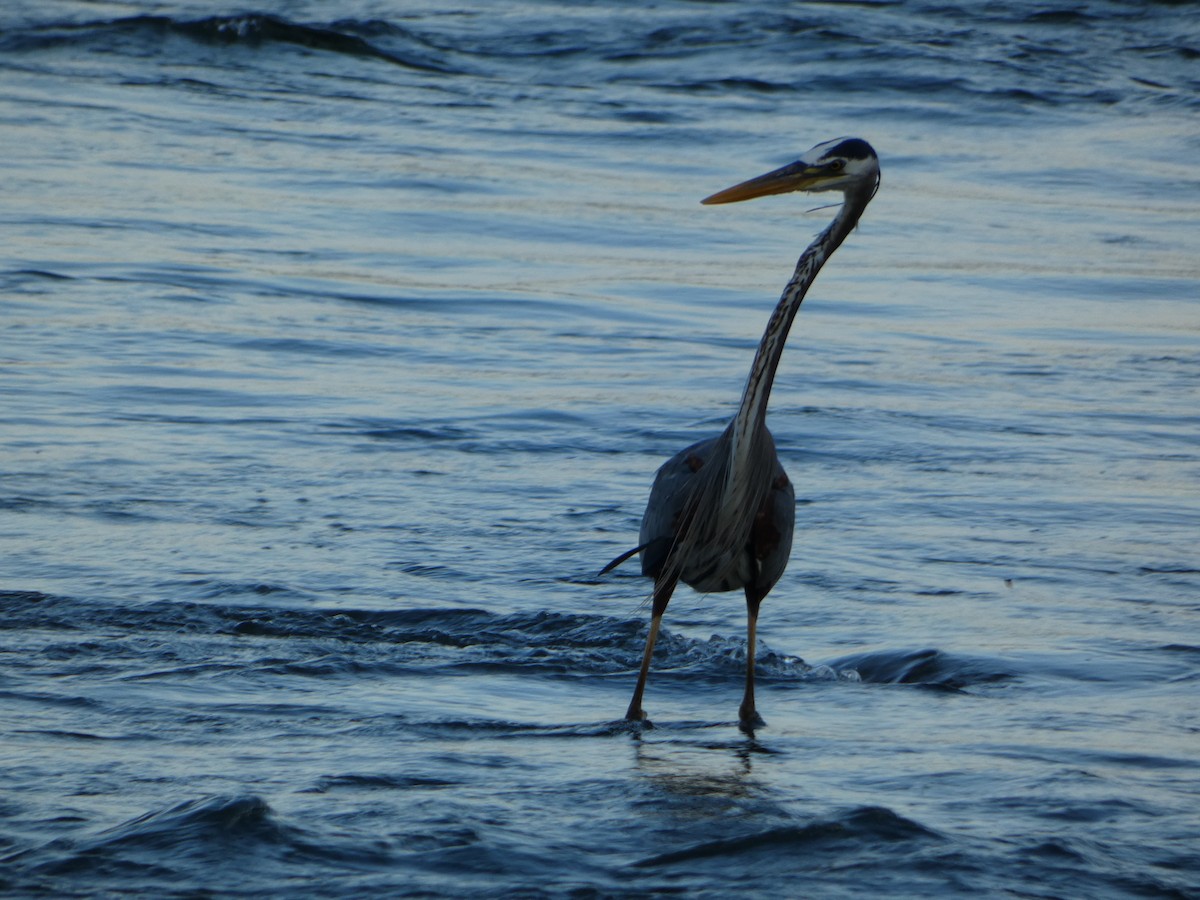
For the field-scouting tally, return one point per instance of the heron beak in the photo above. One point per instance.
(797, 176)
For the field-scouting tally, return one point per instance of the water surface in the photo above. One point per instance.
(340, 351)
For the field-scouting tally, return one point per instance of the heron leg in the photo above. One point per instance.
(635, 713)
(748, 717)
(662, 596)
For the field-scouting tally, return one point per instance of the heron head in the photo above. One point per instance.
(843, 164)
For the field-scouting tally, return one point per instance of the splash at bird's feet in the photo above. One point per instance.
(635, 726)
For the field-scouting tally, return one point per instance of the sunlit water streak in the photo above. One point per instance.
(340, 354)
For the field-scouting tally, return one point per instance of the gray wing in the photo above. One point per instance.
(672, 488)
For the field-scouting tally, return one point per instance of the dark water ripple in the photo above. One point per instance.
(436, 641)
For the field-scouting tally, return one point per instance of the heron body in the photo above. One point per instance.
(760, 560)
(721, 512)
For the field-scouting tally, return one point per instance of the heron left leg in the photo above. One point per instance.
(748, 717)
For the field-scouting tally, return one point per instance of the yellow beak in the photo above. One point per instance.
(793, 177)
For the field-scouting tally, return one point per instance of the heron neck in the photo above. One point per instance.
(752, 413)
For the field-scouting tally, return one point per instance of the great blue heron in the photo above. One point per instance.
(721, 512)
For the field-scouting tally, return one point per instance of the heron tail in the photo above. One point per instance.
(623, 557)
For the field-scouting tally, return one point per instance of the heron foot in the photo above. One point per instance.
(749, 719)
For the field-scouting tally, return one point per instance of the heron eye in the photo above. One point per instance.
(837, 165)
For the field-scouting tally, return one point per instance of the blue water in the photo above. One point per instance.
(339, 353)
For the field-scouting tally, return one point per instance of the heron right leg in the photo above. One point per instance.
(748, 717)
(635, 713)
(662, 596)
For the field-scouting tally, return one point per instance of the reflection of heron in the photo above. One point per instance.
(721, 512)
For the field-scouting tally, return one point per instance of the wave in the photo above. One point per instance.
(927, 667)
(1035, 58)
(211, 820)
(346, 37)
(153, 849)
(867, 826)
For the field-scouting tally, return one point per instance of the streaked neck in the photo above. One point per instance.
(752, 413)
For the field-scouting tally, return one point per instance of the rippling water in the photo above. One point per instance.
(340, 353)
